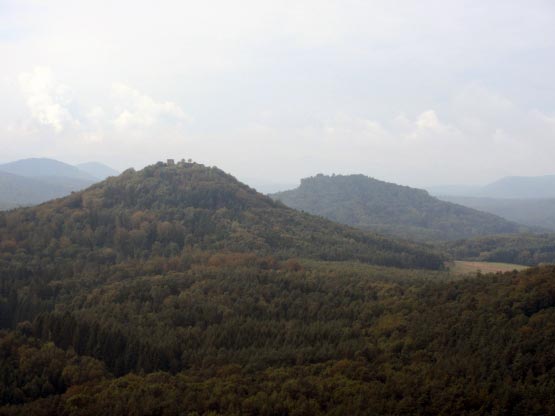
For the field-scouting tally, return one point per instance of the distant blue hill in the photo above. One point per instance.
(42, 167)
(528, 200)
(33, 181)
(517, 187)
(521, 187)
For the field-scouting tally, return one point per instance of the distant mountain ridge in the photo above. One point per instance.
(36, 180)
(521, 187)
(44, 167)
(18, 190)
(526, 211)
(371, 204)
(517, 187)
(527, 200)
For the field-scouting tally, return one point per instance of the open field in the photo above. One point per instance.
(467, 267)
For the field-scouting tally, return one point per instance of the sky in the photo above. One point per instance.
(420, 93)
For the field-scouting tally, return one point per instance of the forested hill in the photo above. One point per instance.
(168, 211)
(371, 204)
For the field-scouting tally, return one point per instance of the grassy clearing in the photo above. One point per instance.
(471, 267)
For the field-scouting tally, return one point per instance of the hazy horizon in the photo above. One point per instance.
(417, 93)
(273, 185)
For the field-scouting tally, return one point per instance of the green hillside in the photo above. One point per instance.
(370, 204)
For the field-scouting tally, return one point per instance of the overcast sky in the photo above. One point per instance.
(417, 92)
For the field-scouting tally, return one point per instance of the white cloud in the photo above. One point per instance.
(428, 120)
(47, 100)
(135, 109)
(128, 110)
(429, 130)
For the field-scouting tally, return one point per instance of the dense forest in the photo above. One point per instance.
(318, 338)
(525, 249)
(178, 290)
(401, 211)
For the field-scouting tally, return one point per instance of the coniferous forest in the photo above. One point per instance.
(178, 290)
